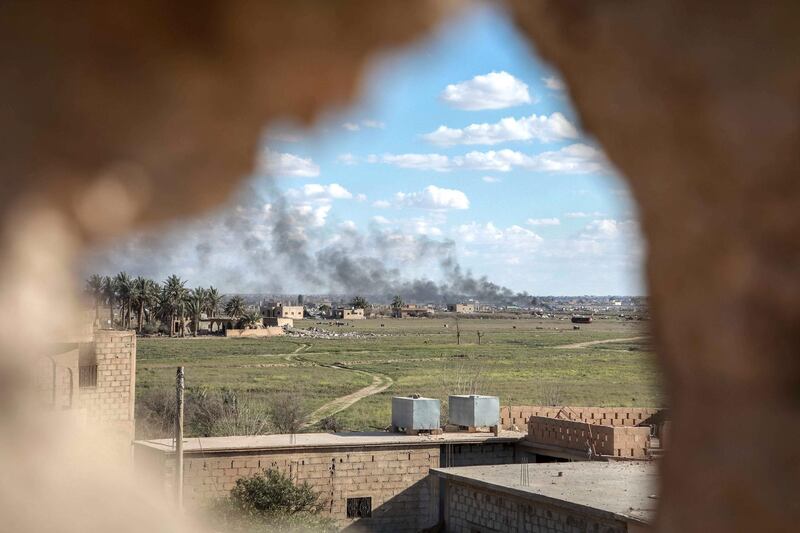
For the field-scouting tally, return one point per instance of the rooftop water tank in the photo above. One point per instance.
(474, 410)
(415, 413)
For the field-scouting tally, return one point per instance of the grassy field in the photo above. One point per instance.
(519, 360)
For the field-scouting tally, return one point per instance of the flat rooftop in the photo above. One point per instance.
(325, 440)
(618, 490)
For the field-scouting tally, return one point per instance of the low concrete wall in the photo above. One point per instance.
(261, 332)
(470, 508)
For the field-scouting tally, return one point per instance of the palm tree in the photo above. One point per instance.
(251, 319)
(397, 302)
(174, 298)
(123, 285)
(359, 303)
(213, 301)
(197, 302)
(145, 296)
(235, 307)
(109, 291)
(94, 288)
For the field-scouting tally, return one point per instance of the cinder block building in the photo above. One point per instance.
(371, 481)
(548, 498)
(279, 310)
(347, 313)
(96, 376)
(463, 309)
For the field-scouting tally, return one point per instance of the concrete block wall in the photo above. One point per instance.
(404, 497)
(111, 401)
(518, 415)
(470, 508)
(619, 441)
(477, 454)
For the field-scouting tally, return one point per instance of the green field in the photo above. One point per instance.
(518, 360)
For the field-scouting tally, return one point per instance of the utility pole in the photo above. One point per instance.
(479, 338)
(179, 386)
(458, 333)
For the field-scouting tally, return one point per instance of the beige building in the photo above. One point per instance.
(279, 310)
(461, 308)
(348, 313)
(413, 310)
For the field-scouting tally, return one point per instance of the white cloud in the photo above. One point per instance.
(381, 220)
(381, 204)
(535, 127)
(607, 228)
(316, 215)
(348, 225)
(283, 164)
(553, 83)
(347, 159)
(544, 221)
(490, 179)
(361, 197)
(512, 237)
(575, 159)
(375, 124)
(435, 162)
(366, 123)
(583, 214)
(315, 191)
(433, 197)
(496, 90)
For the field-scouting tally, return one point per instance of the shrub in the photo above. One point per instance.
(271, 501)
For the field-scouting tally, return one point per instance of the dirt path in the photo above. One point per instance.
(578, 345)
(379, 384)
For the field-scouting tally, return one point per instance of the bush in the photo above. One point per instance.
(287, 412)
(271, 501)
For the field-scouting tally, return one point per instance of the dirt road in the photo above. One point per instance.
(379, 384)
(578, 345)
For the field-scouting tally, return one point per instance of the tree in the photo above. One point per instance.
(359, 303)
(173, 299)
(213, 301)
(94, 288)
(235, 307)
(123, 286)
(109, 292)
(196, 302)
(145, 296)
(397, 302)
(287, 413)
(251, 319)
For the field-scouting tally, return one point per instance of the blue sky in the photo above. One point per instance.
(466, 138)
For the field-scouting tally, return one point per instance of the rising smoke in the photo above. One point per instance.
(265, 243)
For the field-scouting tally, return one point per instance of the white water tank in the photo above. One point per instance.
(415, 412)
(474, 410)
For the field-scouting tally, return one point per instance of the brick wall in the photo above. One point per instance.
(518, 415)
(477, 454)
(404, 497)
(618, 441)
(469, 508)
(111, 400)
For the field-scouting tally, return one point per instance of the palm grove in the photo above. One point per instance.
(163, 307)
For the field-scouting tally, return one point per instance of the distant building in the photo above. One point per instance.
(278, 310)
(347, 313)
(413, 310)
(461, 308)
